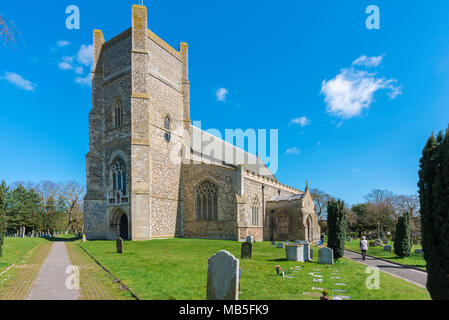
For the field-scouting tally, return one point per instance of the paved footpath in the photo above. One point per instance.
(51, 281)
(416, 277)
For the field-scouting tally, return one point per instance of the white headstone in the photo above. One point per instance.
(223, 277)
(295, 253)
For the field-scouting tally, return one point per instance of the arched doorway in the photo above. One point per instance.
(124, 227)
(309, 228)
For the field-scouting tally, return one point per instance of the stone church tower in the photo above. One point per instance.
(152, 175)
(140, 99)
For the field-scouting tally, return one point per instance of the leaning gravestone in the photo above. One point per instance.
(223, 277)
(120, 248)
(280, 245)
(387, 248)
(247, 250)
(326, 256)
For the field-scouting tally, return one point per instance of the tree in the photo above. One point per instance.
(320, 199)
(72, 194)
(8, 31)
(2, 211)
(434, 209)
(402, 244)
(336, 219)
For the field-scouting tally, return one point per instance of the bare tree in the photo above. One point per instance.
(320, 199)
(72, 193)
(48, 189)
(8, 32)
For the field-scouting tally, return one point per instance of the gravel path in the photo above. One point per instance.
(418, 278)
(51, 282)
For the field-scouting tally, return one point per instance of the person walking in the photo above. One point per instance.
(364, 247)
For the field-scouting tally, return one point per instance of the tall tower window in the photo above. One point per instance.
(118, 113)
(119, 182)
(255, 212)
(206, 201)
(167, 127)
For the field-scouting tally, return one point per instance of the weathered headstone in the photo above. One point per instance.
(280, 245)
(297, 241)
(287, 242)
(307, 257)
(273, 243)
(311, 254)
(249, 239)
(325, 256)
(387, 248)
(223, 277)
(84, 238)
(247, 250)
(348, 239)
(419, 251)
(385, 241)
(295, 252)
(120, 248)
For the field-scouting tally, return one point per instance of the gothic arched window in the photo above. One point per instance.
(255, 212)
(119, 181)
(206, 201)
(167, 127)
(118, 113)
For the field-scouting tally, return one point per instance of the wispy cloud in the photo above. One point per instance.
(62, 43)
(66, 63)
(84, 81)
(86, 55)
(18, 81)
(221, 94)
(293, 150)
(352, 91)
(302, 121)
(368, 62)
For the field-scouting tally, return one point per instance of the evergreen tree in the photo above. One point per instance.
(434, 209)
(2, 221)
(402, 244)
(336, 219)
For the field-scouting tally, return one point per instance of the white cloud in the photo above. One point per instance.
(303, 121)
(86, 55)
(18, 81)
(293, 150)
(368, 61)
(353, 90)
(66, 63)
(84, 81)
(62, 43)
(221, 94)
(79, 70)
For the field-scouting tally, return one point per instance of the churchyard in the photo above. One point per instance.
(414, 260)
(177, 269)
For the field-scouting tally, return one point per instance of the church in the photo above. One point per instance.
(151, 174)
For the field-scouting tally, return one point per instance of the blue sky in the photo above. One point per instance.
(353, 106)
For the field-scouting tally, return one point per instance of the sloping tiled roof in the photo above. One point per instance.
(212, 148)
(288, 197)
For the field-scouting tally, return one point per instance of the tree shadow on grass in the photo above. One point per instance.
(57, 239)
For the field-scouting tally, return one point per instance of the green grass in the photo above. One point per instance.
(177, 269)
(415, 260)
(15, 248)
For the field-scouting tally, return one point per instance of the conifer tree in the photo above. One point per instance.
(434, 209)
(336, 219)
(402, 244)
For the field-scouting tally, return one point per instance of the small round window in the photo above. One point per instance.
(167, 127)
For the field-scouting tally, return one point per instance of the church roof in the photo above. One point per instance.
(288, 197)
(214, 149)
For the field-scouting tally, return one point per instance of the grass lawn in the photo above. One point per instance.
(15, 248)
(177, 269)
(415, 260)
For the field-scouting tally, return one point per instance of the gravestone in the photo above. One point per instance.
(287, 242)
(387, 248)
(280, 245)
(419, 251)
(247, 250)
(250, 239)
(273, 243)
(385, 241)
(378, 243)
(295, 252)
(84, 238)
(348, 239)
(325, 256)
(307, 257)
(120, 248)
(223, 277)
(298, 242)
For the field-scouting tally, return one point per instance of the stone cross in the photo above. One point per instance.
(223, 277)
(120, 248)
(247, 250)
(326, 256)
